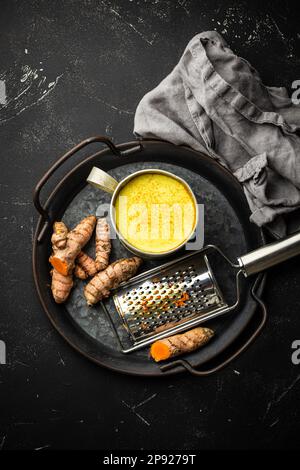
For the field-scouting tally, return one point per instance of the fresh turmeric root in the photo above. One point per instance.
(61, 286)
(103, 244)
(85, 266)
(80, 273)
(100, 286)
(63, 260)
(59, 236)
(179, 344)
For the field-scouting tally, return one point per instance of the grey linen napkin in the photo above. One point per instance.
(215, 102)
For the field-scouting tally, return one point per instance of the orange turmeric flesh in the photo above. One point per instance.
(160, 351)
(180, 344)
(59, 265)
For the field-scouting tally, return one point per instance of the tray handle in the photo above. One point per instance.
(66, 156)
(59, 162)
(36, 193)
(202, 373)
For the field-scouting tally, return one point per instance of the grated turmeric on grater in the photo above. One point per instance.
(180, 302)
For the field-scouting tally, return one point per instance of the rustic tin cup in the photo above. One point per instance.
(102, 180)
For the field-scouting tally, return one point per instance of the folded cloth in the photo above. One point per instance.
(215, 102)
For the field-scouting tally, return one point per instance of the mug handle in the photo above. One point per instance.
(102, 180)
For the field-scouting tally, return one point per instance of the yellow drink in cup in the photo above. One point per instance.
(155, 212)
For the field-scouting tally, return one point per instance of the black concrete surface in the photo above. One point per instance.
(75, 69)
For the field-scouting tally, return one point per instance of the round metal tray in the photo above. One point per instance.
(226, 225)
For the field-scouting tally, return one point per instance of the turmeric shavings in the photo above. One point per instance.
(180, 302)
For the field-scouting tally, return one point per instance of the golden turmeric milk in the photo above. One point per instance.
(155, 212)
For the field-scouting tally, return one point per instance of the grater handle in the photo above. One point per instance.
(267, 256)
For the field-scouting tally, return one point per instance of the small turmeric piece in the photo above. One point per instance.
(179, 344)
(103, 244)
(101, 284)
(59, 236)
(85, 266)
(63, 260)
(80, 273)
(61, 286)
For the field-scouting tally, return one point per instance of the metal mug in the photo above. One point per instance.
(102, 180)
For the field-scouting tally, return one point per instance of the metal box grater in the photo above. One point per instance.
(173, 295)
(183, 293)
